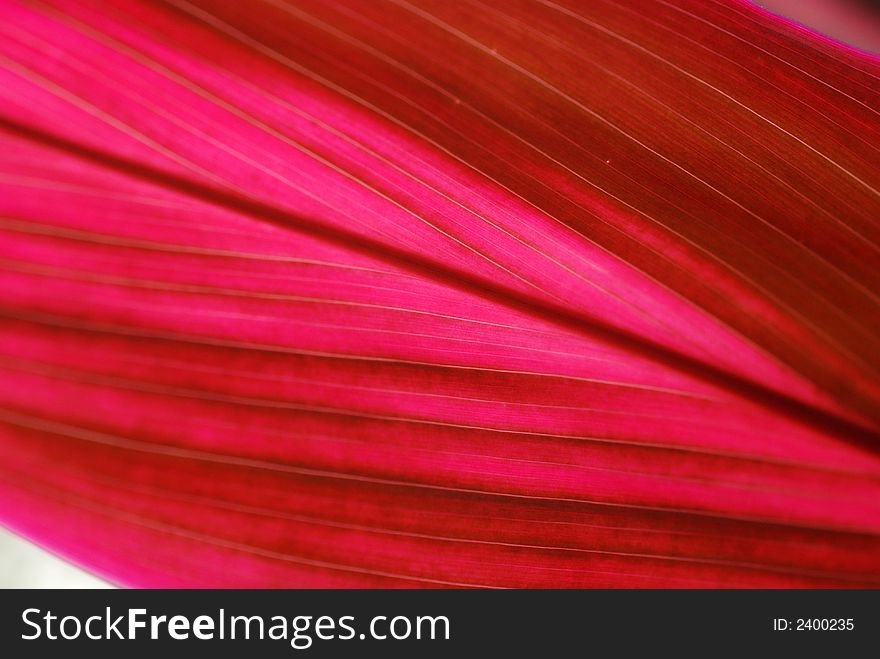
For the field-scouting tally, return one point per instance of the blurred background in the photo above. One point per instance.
(24, 565)
(856, 22)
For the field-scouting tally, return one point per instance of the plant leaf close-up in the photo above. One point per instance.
(419, 293)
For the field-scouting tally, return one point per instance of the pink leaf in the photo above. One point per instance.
(540, 293)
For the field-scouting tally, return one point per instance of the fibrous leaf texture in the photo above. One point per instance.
(419, 293)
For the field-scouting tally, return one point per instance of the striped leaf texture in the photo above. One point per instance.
(421, 293)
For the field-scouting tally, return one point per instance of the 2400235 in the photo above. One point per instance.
(813, 624)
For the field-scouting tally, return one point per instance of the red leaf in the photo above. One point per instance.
(548, 293)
